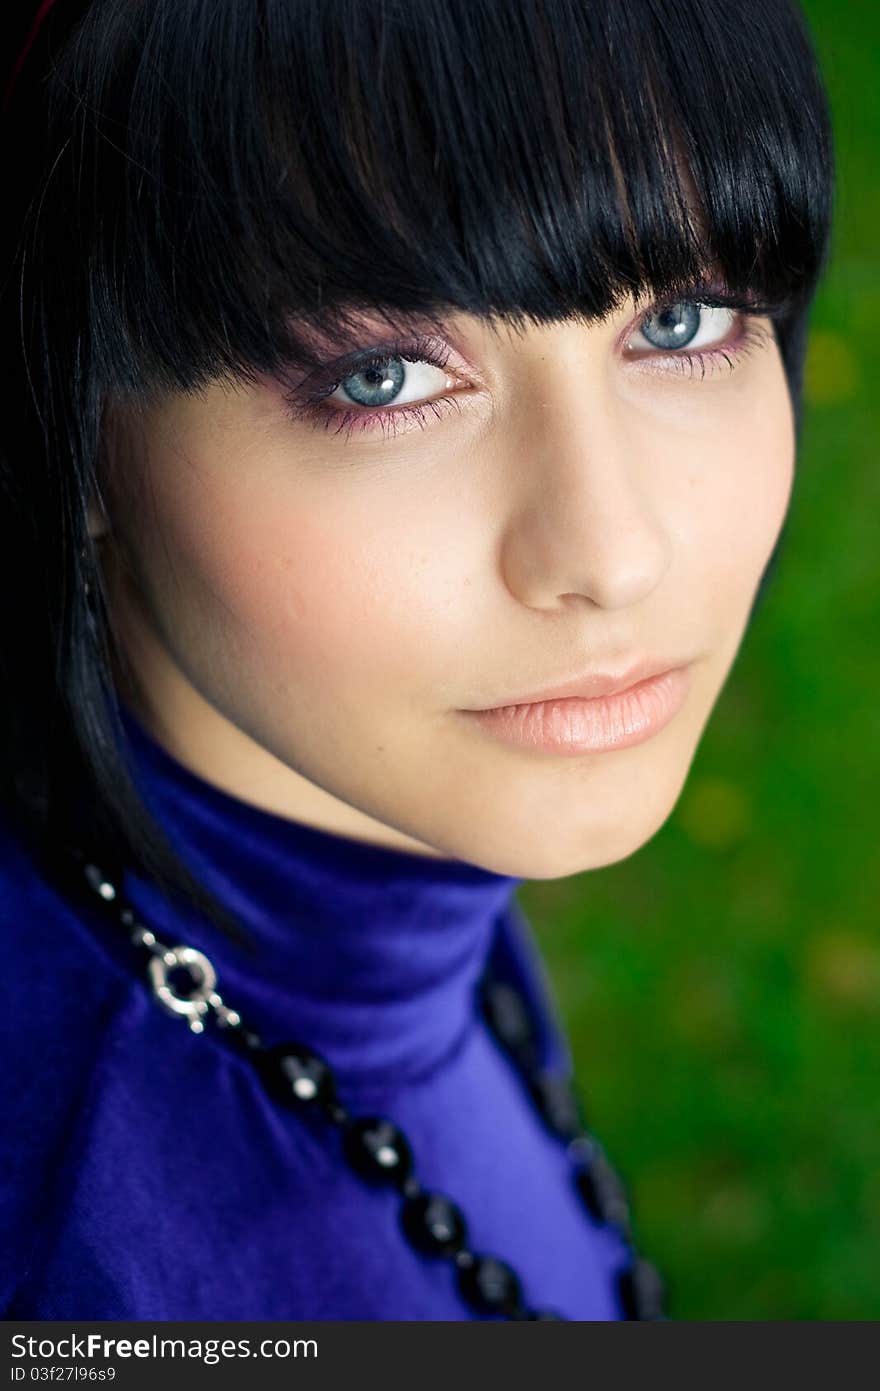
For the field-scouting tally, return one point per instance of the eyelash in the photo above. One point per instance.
(750, 334)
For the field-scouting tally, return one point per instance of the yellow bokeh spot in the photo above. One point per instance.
(715, 813)
(843, 967)
(736, 1214)
(831, 371)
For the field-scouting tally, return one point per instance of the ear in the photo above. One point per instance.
(99, 522)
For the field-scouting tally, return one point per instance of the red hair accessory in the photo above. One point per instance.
(44, 9)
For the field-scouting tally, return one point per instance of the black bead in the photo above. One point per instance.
(583, 1150)
(491, 1284)
(508, 1017)
(293, 1073)
(557, 1101)
(434, 1224)
(641, 1291)
(377, 1149)
(603, 1192)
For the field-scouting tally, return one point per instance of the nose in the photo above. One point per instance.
(583, 518)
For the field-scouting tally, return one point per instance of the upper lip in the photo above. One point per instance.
(596, 683)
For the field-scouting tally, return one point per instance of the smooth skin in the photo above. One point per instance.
(304, 616)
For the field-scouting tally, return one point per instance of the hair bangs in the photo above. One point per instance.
(301, 163)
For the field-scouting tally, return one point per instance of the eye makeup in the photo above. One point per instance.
(307, 401)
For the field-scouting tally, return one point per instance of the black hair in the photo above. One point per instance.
(208, 190)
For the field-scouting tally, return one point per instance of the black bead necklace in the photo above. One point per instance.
(303, 1081)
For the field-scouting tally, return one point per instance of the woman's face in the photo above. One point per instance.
(309, 614)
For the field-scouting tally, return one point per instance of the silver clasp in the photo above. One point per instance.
(201, 998)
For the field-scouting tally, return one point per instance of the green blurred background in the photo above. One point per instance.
(721, 987)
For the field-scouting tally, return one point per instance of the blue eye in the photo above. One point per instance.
(376, 386)
(672, 327)
(676, 326)
(392, 380)
(385, 385)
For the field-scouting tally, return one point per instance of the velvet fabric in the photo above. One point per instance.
(146, 1174)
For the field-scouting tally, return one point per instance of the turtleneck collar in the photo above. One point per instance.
(367, 954)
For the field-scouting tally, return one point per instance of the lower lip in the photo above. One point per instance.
(574, 726)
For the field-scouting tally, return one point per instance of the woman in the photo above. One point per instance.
(402, 412)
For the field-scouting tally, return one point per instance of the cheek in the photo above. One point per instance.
(740, 488)
(308, 593)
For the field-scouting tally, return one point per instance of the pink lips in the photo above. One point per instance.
(572, 725)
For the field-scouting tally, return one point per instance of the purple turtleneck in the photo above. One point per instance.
(146, 1173)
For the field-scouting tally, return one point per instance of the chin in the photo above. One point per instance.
(550, 856)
